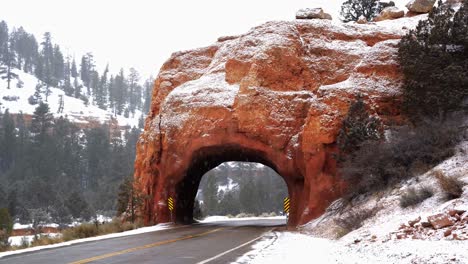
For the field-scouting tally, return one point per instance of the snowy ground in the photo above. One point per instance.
(126, 233)
(288, 247)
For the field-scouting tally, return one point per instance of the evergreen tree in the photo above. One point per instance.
(128, 199)
(58, 66)
(13, 203)
(6, 227)
(77, 88)
(134, 90)
(74, 71)
(47, 61)
(77, 206)
(120, 92)
(435, 64)
(67, 85)
(97, 149)
(87, 67)
(352, 10)
(7, 141)
(26, 47)
(101, 95)
(9, 61)
(42, 120)
(4, 38)
(147, 94)
(247, 195)
(210, 195)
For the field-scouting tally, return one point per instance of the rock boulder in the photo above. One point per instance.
(420, 6)
(312, 13)
(391, 12)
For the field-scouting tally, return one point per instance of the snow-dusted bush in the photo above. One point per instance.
(354, 219)
(379, 164)
(414, 196)
(11, 98)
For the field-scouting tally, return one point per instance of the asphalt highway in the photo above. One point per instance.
(218, 242)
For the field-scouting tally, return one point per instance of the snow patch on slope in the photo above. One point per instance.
(74, 109)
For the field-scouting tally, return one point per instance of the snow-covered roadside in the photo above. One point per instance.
(288, 247)
(72, 242)
(374, 242)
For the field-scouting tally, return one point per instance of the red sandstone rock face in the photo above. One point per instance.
(275, 95)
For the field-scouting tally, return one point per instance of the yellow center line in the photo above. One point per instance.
(125, 251)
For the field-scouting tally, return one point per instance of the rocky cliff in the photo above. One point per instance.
(275, 95)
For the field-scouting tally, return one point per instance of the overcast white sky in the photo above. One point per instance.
(143, 33)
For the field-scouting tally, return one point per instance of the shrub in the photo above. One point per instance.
(451, 186)
(33, 100)
(81, 231)
(11, 98)
(42, 240)
(377, 164)
(358, 126)
(415, 196)
(354, 219)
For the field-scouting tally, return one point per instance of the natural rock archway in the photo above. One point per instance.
(276, 95)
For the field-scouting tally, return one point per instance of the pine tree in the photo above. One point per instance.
(74, 71)
(58, 66)
(67, 85)
(6, 227)
(148, 94)
(26, 47)
(7, 141)
(134, 91)
(120, 92)
(210, 195)
(4, 38)
(435, 64)
(101, 96)
(42, 121)
(128, 199)
(9, 61)
(13, 203)
(352, 10)
(47, 60)
(77, 206)
(77, 88)
(87, 67)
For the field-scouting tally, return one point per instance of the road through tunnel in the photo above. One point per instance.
(207, 164)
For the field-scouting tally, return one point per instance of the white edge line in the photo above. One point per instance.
(233, 249)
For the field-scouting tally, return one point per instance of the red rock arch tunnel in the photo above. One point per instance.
(276, 95)
(204, 160)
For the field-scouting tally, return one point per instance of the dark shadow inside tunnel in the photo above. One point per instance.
(229, 181)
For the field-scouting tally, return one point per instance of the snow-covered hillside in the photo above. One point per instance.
(16, 100)
(377, 240)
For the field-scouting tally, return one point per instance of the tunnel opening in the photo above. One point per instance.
(210, 161)
(240, 189)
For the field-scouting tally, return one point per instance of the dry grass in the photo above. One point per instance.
(354, 219)
(81, 231)
(451, 186)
